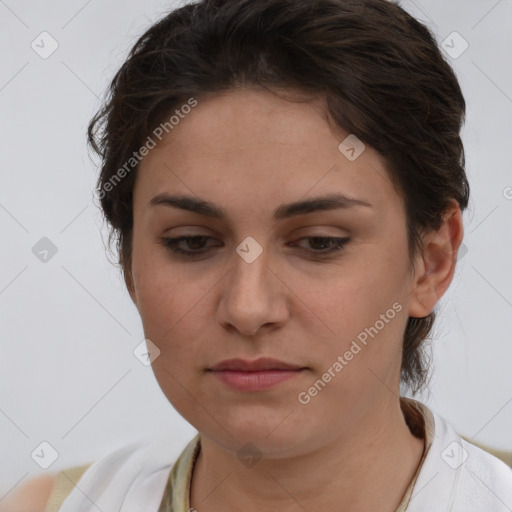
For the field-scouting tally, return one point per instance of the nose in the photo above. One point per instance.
(253, 296)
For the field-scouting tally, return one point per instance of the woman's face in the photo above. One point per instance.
(260, 282)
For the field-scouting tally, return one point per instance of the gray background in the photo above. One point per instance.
(68, 327)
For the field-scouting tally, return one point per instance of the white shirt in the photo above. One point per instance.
(454, 476)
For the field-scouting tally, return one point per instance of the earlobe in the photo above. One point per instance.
(436, 266)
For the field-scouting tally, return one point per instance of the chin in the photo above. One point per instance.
(272, 435)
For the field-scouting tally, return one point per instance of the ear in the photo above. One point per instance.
(435, 267)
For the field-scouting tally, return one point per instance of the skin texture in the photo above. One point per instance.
(249, 151)
(31, 496)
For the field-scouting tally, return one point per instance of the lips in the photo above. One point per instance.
(259, 375)
(258, 365)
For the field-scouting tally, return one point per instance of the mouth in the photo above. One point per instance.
(258, 375)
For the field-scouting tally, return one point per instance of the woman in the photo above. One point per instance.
(285, 181)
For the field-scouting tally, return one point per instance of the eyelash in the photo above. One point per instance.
(171, 244)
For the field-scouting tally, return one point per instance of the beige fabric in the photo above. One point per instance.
(65, 481)
(177, 492)
(420, 421)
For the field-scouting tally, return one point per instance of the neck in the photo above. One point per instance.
(362, 469)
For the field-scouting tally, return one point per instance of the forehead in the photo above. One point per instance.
(258, 148)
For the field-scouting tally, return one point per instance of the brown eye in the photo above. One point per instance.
(333, 244)
(196, 243)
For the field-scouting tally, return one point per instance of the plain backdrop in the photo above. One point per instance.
(68, 375)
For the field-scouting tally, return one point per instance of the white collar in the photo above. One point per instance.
(455, 476)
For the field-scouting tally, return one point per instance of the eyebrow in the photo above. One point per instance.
(322, 203)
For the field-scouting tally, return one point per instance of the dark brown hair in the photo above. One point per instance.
(379, 71)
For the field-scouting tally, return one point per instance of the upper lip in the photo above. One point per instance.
(264, 363)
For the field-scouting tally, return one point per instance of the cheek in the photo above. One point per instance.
(362, 314)
(163, 298)
(172, 315)
(169, 309)
(157, 285)
(352, 298)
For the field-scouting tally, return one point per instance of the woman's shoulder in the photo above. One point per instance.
(485, 462)
(461, 473)
(31, 496)
(504, 455)
(140, 469)
(46, 492)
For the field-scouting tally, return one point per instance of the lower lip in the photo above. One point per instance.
(255, 381)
